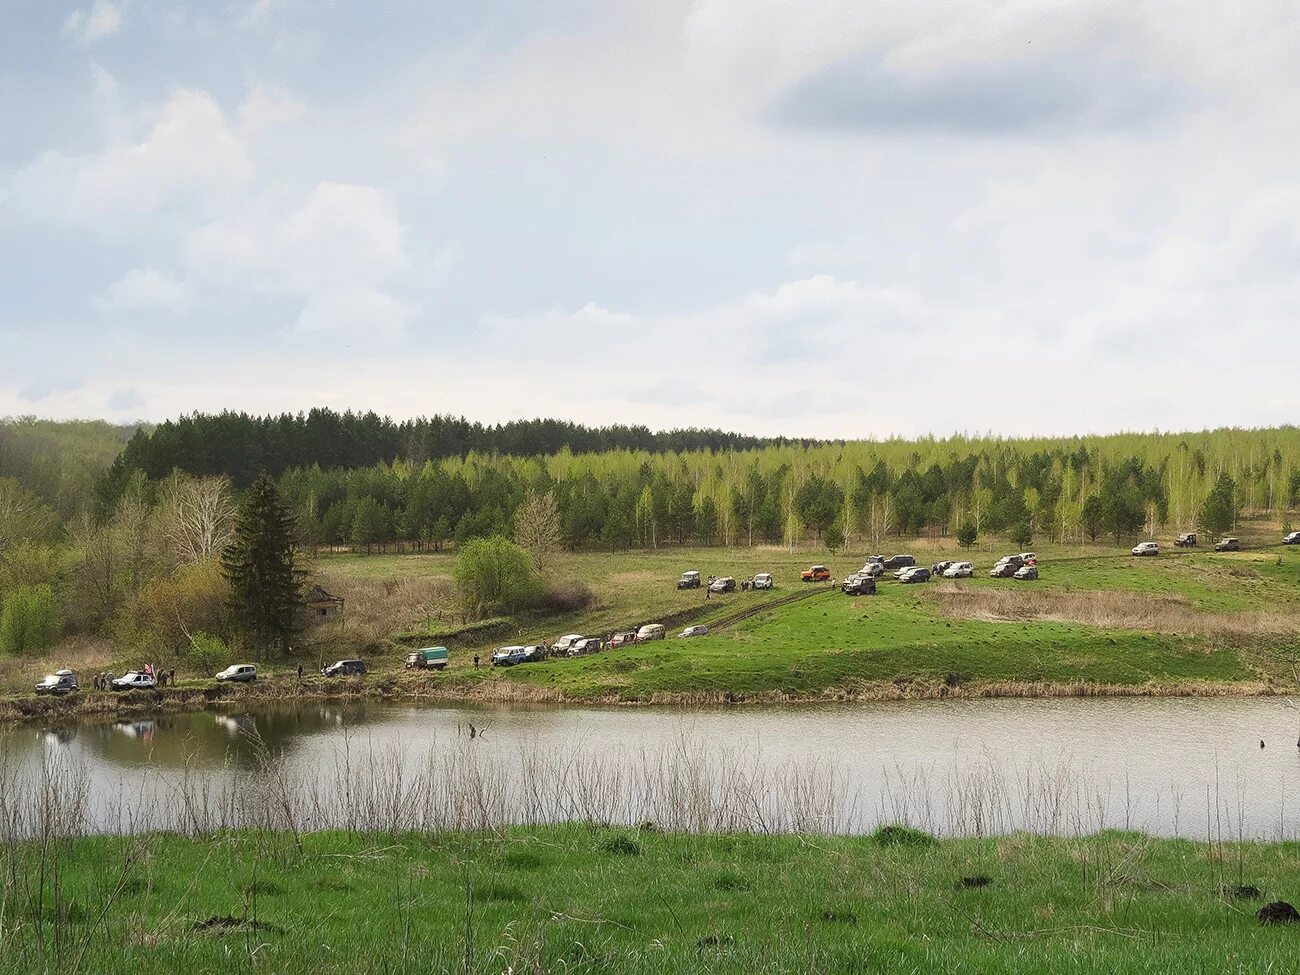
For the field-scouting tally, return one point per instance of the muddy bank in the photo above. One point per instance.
(456, 689)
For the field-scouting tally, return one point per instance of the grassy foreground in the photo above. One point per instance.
(579, 898)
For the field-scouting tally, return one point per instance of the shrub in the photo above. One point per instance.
(567, 597)
(495, 575)
(207, 653)
(898, 835)
(622, 845)
(29, 621)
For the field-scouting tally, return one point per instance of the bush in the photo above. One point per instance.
(896, 835)
(159, 618)
(566, 597)
(207, 653)
(495, 575)
(29, 621)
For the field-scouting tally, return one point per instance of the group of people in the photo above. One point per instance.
(103, 681)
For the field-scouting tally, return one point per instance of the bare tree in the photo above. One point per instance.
(881, 518)
(196, 518)
(537, 526)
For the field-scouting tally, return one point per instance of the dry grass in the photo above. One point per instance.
(83, 653)
(1115, 610)
(376, 609)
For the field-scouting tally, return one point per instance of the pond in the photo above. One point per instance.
(1169, 766)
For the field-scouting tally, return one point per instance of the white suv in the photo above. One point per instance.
(1146, 548)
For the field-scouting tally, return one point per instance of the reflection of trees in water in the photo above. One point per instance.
(205, 739)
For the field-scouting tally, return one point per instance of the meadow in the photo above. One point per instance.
(1098, 621)
(589, 898)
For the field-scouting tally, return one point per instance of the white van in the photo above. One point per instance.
(651, 631)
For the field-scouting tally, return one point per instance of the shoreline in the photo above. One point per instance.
(31, 708)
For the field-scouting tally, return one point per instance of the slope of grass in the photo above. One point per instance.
(589, 899)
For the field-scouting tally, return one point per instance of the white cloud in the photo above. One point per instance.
(144, 289)
(185, 153)
(102, 20)
(268, 106)
(339, 253)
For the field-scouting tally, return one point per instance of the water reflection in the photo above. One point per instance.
(967, 766)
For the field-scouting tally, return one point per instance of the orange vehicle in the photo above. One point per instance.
(817, 573)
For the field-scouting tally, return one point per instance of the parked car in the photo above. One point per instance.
(916, 573)
(959, 570)
(623, 638)
(873, 569)
(590, 644)
(1006, 567)
(1147, 548)
(564, 644)
(761, 581)
(1292, 539)
(1186, 540)
(534, 654)
(815, 573)
(239, 674)
(1027, 573)
(134, 680)
(695, 631)
(939, 568)
(429, 658)
(723, 584)
(859, 584)
(651, 631)
(344, 668)
(898, 562)
(689, 580)
(509, 656)
(58, 683)
(1228, 544)
(875, 558)
(1028, 558)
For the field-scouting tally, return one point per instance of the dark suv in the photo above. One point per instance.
(1006, 567)
(860, 584)
(344, 668)
(898, 562)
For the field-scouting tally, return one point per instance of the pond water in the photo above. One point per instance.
(1176, 766)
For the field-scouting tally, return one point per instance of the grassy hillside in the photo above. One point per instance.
(588, 899)
(1097, 617)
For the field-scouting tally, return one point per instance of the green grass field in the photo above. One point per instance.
(1192, 621)
(581, 898)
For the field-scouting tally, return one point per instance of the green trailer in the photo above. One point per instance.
(430, 658)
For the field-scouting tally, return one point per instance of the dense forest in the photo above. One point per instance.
(363, 480)
(240, 446)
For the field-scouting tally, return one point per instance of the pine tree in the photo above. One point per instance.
(259, 563)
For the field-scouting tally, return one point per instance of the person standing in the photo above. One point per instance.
(476, 661)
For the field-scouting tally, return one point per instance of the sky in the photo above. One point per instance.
(830, 218)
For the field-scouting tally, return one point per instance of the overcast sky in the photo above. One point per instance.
(818, 217)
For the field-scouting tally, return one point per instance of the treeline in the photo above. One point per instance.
(1067, 491)
(241, 446)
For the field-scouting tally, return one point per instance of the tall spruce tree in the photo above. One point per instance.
(259, 562)
(1219, 512)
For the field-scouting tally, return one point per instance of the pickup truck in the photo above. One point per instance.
(815, 573)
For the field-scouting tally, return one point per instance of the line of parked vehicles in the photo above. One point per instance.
(578, 645)
(1022, 566)
(1228, 543)
(63, 682)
